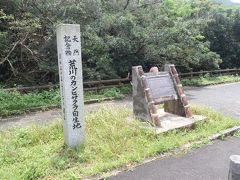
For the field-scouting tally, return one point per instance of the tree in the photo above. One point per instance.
(115, 36)
(223, 34)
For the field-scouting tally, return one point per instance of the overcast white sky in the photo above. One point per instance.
(236, 1)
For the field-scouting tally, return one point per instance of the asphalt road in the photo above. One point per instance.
(223, 98)
(208, 163)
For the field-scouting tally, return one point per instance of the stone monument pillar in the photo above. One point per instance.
(71, 83)
(140, 106)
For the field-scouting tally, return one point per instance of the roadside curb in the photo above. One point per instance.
(225, 133)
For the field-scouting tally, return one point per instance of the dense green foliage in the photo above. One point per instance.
(39, 152)
(193, 34)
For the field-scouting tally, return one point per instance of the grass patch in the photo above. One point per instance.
(112, 141)
(115, 93)
(210, 80)
(15, 103)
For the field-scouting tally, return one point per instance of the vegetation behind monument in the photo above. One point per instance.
(194, 35)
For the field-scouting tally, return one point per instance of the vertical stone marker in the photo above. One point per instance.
(71, 83)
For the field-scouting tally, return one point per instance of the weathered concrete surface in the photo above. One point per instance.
(171, 121)
(208, 163)
(71, 83)
(234, 169)
(140, 105)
